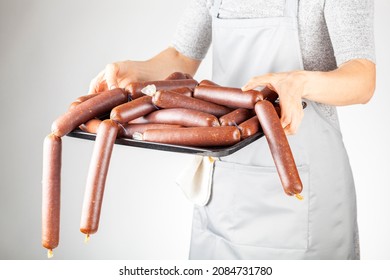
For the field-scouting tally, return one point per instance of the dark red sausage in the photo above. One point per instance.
(133, 109)
(208, 83)
(280, 149)
(86, 97)
(169, 99)
(136, 87)
(97, 174)
(236, 117)
(268, 94)
(184, 117)
(194, 136)
(51, 190)
(87, 110)
(91, 126)
(230, 97)
(249, 127)
(177, 76)
(184, 91)
(127, 130)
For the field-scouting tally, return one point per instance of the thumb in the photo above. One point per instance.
(111, 73)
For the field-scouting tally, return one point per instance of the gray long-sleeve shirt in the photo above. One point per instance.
(331, 32)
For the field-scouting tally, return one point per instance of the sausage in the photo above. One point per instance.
(181, 116)
(91, 126)
(194, 136)
(136, 87)
(133, 109)
(249, 127)
(97, 174)
(87, 110)
(280, 149)
(169, 99)
(178, 76)
(128, 130)
(268, 94)
(51, 190)
(183, 91)
(86, 97)
(227, 96)
(236, 117)
(208, 83)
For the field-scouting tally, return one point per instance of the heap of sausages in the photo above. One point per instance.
(177, 110)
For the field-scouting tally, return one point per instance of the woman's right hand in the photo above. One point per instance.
(115, 75)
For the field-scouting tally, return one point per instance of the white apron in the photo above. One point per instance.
(248, 215)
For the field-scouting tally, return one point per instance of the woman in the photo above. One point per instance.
(321, 51)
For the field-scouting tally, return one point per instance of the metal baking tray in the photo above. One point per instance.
(213, 152)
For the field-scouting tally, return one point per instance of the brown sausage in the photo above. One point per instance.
(86, 97)
(51, 189)
(236, 117)
(184, 91)
(249, 127)
(177, 76)
(87, 110)
(133, 109)
(97, 174)
(208, 83)
(136, 87)
(268, 94)
(194, 136)
(127, 130)
(227, 96)
(91, 126)
(169, 99)
(280, 149)
(181, 116)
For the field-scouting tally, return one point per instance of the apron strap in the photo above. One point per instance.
(291, 8)
(215, 8)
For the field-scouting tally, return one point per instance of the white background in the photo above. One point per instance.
(49, 52)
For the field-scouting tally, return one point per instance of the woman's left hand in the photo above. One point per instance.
(290, 88)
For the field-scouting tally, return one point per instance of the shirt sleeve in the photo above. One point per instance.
(193, 33)
(351, 28)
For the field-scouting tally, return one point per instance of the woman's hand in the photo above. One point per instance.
(121, 74)
(114, 75)
(290, 87)
(353, 82)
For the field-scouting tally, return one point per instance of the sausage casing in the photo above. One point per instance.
(169, 99)
(177, 76)
(236, 117)
(184, 91)
(136, 87)
(280, 149)
(133, 109)
(91, 126)
(51, 191)
(227, 96)
(195, 136)
(89, 109)
(249, 127)
(181, 116)
(97, 174)
(208, 83)
(127, 130)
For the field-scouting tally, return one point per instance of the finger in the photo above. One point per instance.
(264, 80)
(111, 74)
(94, 85)
(296, 121)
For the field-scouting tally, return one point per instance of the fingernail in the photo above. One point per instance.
(113, 87)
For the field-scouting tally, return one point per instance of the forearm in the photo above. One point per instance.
(165, 63)
(352, 83)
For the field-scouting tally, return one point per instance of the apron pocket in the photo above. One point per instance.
(249, 207)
